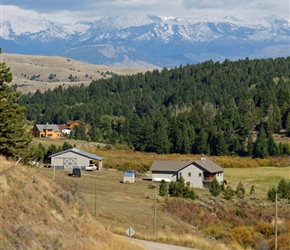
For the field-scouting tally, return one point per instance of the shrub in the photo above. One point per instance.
(242, 235)
(265, 228)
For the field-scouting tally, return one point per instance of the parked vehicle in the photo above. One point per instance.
(76, 172)
(91, 167)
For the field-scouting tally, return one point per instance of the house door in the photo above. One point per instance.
(69, 163)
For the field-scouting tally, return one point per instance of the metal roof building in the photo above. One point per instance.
(74, 157)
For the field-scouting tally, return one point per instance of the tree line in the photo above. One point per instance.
(213, 108)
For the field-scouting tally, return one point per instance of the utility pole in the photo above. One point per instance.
(53, 178)
(96, 200)
(154, 219)
(276, 215)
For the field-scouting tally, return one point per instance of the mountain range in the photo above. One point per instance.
(149, 41)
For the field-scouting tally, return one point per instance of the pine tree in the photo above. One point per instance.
(215, 188)
(228, 193)
(14, 135)
(272, 194)
(260, 146)
(283, 189)
(240, 191)
(252, 191)
(163, 188)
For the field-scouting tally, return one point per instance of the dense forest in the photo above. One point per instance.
(213, 108)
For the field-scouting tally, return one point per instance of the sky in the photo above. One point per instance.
(70, 11)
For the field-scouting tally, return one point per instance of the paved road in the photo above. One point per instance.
(150, 245)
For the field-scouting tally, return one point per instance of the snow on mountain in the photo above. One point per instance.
(147, 39)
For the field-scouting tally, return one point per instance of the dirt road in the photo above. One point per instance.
(150, 245)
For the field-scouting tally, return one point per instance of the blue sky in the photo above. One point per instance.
(72, 10)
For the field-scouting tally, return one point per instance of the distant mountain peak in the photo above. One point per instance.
(148, 39)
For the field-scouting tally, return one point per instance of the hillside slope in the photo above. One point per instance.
(38, 214)
(43, 72)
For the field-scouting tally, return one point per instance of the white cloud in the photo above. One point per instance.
(72, 10)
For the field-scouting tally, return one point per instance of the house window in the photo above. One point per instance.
(188, 183)
(189, 174)
(199, 174)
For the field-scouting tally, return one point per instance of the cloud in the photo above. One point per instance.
(93, 9)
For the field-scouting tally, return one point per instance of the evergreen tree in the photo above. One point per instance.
(41, 151)
(260, 146)
(283, 189)
(272, 193)
(228, 193)
(163, 188)
(215, 188)
(173, 187)
(252, 191)
(272, 147)
(189, 193)
(288, 124)
(14, 134)
(66, 146)
(240, 191)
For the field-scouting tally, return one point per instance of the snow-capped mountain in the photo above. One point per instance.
(149, 41)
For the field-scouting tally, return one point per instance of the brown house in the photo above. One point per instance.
(46, 131)
(71, 125)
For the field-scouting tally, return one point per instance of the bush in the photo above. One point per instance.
(243, 235)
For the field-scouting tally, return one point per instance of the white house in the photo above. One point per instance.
(198, 173)
(74, 157)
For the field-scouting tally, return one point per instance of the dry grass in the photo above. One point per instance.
(36, 214)
(23, 67)
(118, 206)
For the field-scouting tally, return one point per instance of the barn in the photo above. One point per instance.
(74, 157)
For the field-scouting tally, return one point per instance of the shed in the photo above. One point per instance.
(129, 177)
(73, 157)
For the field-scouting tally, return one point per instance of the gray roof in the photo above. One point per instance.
(42, 127)
(209, 165)
(79, 152)
(169, 166)
(175, 166)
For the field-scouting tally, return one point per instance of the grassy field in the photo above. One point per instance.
(262, 178)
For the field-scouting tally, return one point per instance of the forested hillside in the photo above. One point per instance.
(210, 108)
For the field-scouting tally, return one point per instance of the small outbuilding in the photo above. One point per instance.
(129, 177)
(74, 157)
